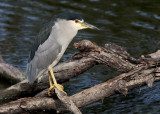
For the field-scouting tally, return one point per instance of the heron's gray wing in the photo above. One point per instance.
(42, 52)
(44, 56)
(42, 36)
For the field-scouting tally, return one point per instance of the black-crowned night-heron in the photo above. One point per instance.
(51, 43)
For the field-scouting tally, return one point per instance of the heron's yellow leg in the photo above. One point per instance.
(50, 83)
(52, 77)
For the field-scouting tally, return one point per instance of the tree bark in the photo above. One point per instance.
(91, 54)
(63, 72)
(120, 84)
(136, 73)
(10, 73)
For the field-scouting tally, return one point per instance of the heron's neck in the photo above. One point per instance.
(65, 35)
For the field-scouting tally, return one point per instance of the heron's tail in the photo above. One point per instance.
(31, 73)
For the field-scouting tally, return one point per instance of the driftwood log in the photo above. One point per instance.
(135, 73)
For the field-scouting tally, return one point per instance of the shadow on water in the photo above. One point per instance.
(132, 24)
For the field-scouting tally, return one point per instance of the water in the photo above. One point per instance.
(133, 24)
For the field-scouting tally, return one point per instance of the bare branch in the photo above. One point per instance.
(120, 84)
(138, 72)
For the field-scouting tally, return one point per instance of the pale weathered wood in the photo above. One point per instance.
(138, 72)
(10, 73)
(91, 54)
(120, 84)
(67, 102)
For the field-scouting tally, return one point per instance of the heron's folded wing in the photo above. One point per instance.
(44, 56)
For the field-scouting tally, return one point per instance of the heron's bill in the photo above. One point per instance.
(86, 25)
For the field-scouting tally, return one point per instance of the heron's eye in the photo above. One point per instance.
(76, 21)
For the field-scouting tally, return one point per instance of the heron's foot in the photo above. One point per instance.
(53, 82)
(58, 86)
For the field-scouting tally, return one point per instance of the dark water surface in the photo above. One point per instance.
(133, 24)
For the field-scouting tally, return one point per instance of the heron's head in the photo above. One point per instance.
(74, 21)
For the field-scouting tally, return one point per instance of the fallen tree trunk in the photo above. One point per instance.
(10, 73)
(63, 72)
(120, 84)
(91, 54)
(138, 72)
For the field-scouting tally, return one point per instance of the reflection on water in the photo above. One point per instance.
(132, 24)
